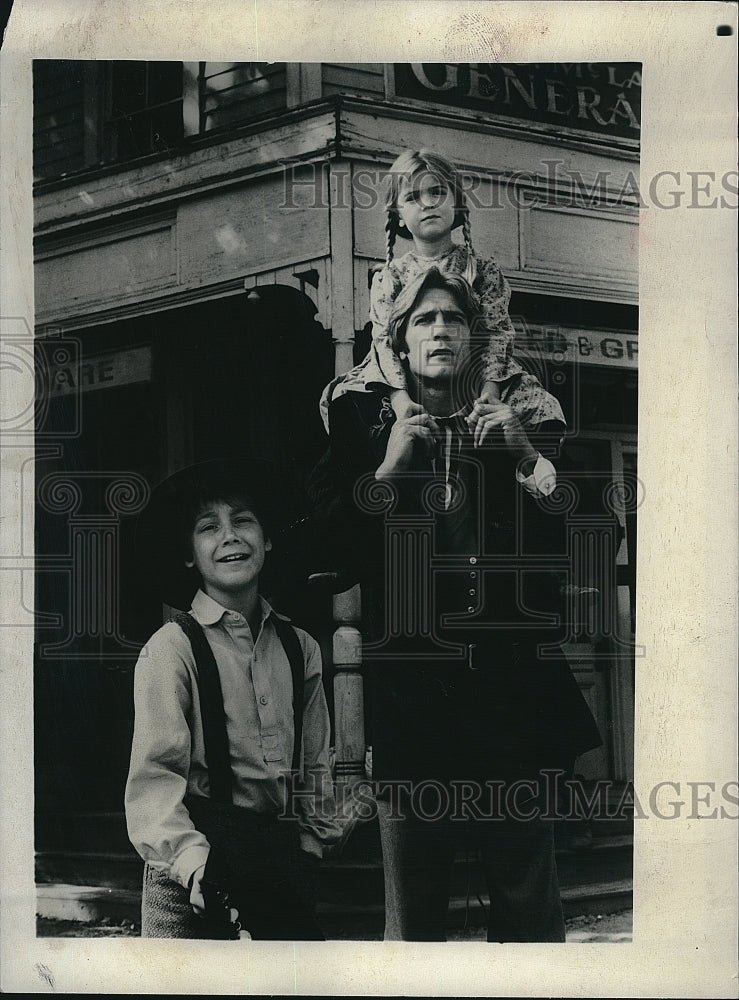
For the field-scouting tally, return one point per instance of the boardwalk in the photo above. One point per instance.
(587, 929)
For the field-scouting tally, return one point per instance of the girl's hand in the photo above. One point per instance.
(417, 425)
(401, 403)
(490, 394)
(486, 418)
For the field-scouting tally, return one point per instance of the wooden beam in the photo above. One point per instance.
(342, 268)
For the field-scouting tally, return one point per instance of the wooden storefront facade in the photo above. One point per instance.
(204, 239)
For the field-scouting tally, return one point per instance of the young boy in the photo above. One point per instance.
(204, 797)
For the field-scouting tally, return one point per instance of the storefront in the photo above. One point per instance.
(205, 235)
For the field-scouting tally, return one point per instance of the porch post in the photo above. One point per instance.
(347, 644)
(348, 692)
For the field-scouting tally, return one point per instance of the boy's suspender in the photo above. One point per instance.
(211, 701)
(291, 644)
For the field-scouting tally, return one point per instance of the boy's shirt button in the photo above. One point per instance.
(264, 699)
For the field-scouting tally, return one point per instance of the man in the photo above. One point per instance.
(448, 533)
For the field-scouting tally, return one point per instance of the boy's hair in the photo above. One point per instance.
(201, 497)
(407, 298)
(164, 529)
(406, 166)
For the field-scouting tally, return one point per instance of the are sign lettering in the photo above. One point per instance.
(101, 371)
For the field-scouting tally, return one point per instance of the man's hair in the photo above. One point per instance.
(403, 306)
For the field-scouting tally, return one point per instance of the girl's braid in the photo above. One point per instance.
(470, 273)
(389, 238)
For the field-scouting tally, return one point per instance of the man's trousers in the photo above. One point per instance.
(517, 859)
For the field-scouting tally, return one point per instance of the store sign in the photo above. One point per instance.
(588, 347)
(595, 97)
(101, 371)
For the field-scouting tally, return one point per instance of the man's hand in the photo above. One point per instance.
(486, 418)
(417, 425)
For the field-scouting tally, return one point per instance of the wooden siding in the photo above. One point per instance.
(364, 79)
(581, 246)
(192, 251)
(233, 93)
(247, 229)
(304, 136)
(115, 264)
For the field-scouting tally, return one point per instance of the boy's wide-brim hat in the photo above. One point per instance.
(160, 530)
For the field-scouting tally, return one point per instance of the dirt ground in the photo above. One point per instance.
(589, 928)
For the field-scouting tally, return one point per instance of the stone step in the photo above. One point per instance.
(609, 856)
(95, 886)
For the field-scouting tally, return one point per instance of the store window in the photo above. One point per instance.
(145, 112)
(88, 114)
(58, 117)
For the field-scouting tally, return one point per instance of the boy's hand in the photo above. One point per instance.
(196, 894)
(197, 901)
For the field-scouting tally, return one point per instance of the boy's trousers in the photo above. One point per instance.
(271, 913)
(517, 859)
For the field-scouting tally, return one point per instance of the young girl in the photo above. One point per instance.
(425, 203)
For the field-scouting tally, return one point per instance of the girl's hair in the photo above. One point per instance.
(406, 166)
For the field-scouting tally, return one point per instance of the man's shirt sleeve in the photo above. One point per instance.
(542, 480)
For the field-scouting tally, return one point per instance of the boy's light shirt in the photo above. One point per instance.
(168, 753)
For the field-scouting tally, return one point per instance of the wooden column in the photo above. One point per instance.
(342, 264)
(348, 691)
(347, 645)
